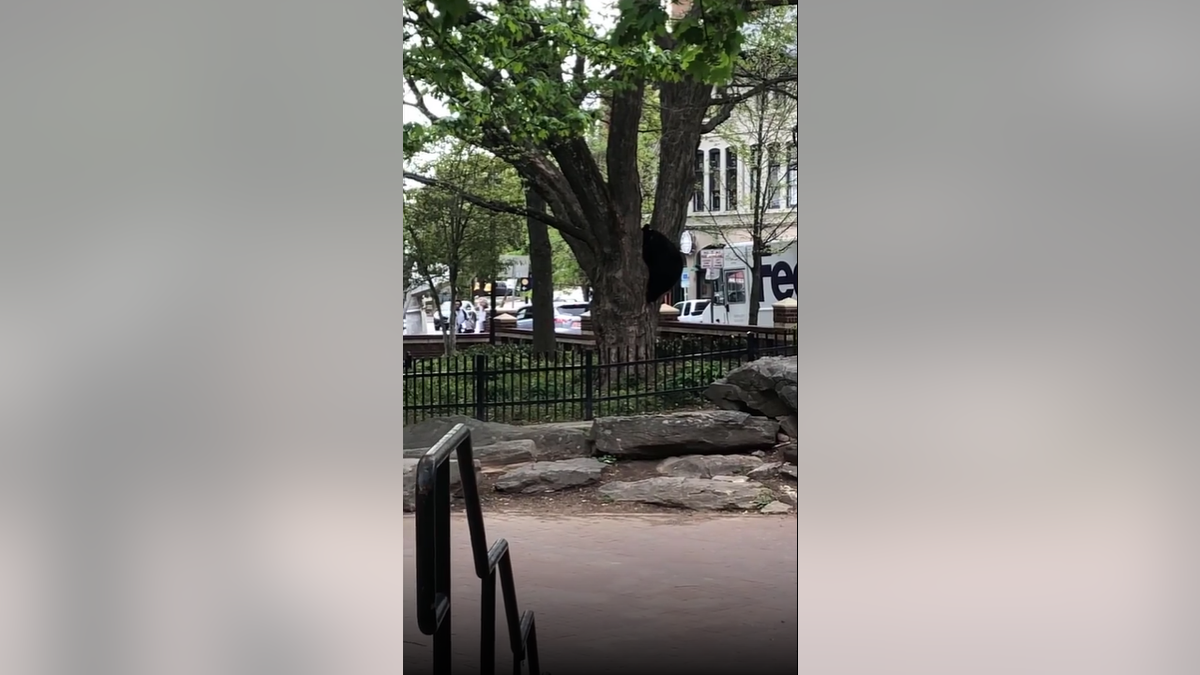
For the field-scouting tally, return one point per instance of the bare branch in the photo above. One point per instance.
(730, 102)
(498, 207)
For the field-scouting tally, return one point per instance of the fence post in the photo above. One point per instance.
(481, 387)
(587, 385)
(751, 347)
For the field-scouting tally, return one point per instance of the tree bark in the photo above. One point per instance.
(622, 319)
(756, 280)
(541, 275)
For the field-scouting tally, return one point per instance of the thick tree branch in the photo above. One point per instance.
(621, 156)
(498, 207)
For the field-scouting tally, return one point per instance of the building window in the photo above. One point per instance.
(698, 198)
(773, 175)
(731, 179)
(735, 287)
(714, 180)
(791, 174)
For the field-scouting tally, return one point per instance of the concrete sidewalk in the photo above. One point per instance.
(630, 594)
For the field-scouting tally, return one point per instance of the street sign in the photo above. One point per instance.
(684, 278)
(712, 258)
(514, 266)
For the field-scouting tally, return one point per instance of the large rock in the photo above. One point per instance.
(707, 466)
(764, 387)
(789, 451)
(789, 425)
(710, 432)
(552, 441)
(539, 477)
(496, 454)
(409, 480)
(691, 493)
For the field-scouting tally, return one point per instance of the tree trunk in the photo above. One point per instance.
(622, 319)
(756, 280)
(541, 275)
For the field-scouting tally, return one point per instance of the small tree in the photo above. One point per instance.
(448, 238)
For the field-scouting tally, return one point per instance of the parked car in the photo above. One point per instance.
(697, 311)
(447, 314)
(566, 317)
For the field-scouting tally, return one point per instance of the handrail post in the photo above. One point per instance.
(433, 560)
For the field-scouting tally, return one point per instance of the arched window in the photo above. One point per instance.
(698, 196)
(714, 180)
(731, 179)
(791, 173)
(773, 182)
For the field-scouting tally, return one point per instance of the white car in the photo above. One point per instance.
(697, 311)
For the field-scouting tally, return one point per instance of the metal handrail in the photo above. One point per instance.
(433, 561)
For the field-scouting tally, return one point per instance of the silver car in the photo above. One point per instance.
(566, 317)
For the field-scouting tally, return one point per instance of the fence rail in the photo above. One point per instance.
(509, 384)
(433, 562)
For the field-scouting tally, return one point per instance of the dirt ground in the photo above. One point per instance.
(587, 500)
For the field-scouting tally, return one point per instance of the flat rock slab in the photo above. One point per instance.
(500, 453)
(766, 387)
(790, 471)
(707, 466)
(776, 508)
(709, 432)
(409, 480)
(542, 477)
(765, 470)
(552, 441)
(690, 493)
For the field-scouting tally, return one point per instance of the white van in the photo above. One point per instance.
(778, 274)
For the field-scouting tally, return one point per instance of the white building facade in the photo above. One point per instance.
(722, 209)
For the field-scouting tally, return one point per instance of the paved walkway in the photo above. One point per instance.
(631, 594)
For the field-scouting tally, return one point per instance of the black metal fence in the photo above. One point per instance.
(508, 383)
(433, 562)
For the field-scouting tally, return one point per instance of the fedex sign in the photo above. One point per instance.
(781, 277)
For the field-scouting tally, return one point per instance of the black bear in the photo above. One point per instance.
(665, 261)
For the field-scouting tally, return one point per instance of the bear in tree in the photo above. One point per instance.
(665, 261)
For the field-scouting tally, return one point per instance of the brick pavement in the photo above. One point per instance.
(631, 594)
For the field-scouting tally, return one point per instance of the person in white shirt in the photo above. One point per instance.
(469, 319)
(481, 316)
